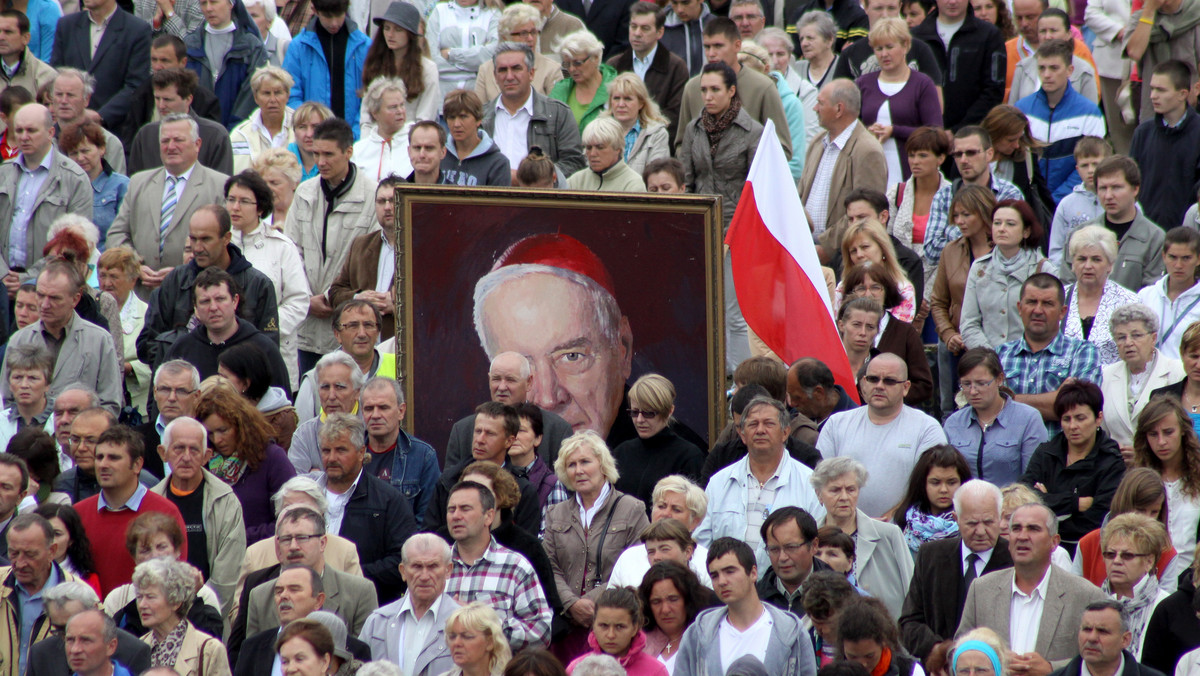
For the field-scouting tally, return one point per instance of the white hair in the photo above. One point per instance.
(176, 367)
(373, 98)
(598, 665)
(300, 484)
(193, 126)
(184, 421)
(1097, 236)
(981, 489)
(580, 42)
(81, 225)
(526, 367)
(425, 543)
(339, 357)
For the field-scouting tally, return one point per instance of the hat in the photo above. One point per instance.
(403, 15)
(557, 251)
(336, 627)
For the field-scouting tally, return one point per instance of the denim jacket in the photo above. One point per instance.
(108, 190)
(414, 471)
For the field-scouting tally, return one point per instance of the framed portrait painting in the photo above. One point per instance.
(595, 289)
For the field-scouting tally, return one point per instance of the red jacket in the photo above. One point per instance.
(1093, 562)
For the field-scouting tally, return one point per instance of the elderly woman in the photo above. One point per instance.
(1131, 545)
(165, 589)
(758, 58)
(476, 641)
(657, 452)
(118, 271)
(675, 497)
(858, 325)
(30, 370)
(383, 148)
(996, 453)
(644, 127)
(249, 201)
(994, 281)
(866, 635)
(884, 567)
(1127, 383)
(462, 34)
(896, 99)
(306, 648)
(868, 241)
(926, 513)
(520, 23)
(86, 144)
(780, 52)
(244, 456)
(909, 202)
(1093, 298)
(585, 89)
(817, 33)
(396, 52)
(270, 125)
(875, 281)
(1078, 470)
(671, 597)
(980, 652)
(1166, 442)
(281, 170)
(271, 28)
(1141, 491)
(604, 145)
(304, 121)
(617, 632)
(583, 556)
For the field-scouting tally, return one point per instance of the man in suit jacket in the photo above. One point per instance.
(664, 73)
(140, 220)
(608, 20)
(359, 277)
(167, 51)
(174, 92)
(120, 62)
(48, 657)
(945, 568)
(830, 176)
(1035, 605)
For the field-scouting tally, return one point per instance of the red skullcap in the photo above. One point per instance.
(557, 251)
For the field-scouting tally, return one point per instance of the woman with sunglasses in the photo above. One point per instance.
(657, 451)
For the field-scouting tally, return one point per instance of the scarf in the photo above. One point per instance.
(924, 527)
(332, 194)
(884, 663)
(230, 469)
(165, 653)
(1138, 607)
(1010, 266)
(1169, 26)
(716, 125)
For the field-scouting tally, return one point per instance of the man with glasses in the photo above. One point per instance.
(73, 399)
(176, 389)
(790, 534)
(357, 325)
(63, 601)
(749, 17)
(885, 435)
(80, 482)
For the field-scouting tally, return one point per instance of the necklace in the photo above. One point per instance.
(671, 645)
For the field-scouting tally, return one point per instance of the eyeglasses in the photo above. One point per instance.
(575, 63)
(1124, 556)
(875, 380)
(301, 540)
(166, 392)
(240, 202)
(1135, 337)
(76, 441)
(965, 153)
(354, 326)
(648, 415)
(525, 34)
(968, 385)
(791, 549)
(863, 288)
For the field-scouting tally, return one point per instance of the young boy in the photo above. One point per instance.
(1082, 205)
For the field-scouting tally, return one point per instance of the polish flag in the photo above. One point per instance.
(780, 288)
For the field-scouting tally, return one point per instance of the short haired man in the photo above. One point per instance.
(14, 486)
(971, 85)
(790, 534)
(811, 390)
(121, 499)
(176, 388)
(216, 531)
(338, 383)
(409, 464)
(358, 324)
(1082, 206)
(1027, 16)
(357, 499)
(973, 155)
(744, 625)
(522, 118)
(83, 352)
(338, 202)
(885, 435)
(32, 550)
(410, 631)
(1176, 297)
(91, 640)
(426, 149)
(1059, 117)
(843, 157)
(48, 657)
(216, 297)
(472, 158)
(166, 51)
(209, 235)
(1181, 43)
(779, 478)
(22, 67)
(858, 58)
(749, 17)
(729, 447)
(482, 567)
(156, 212)
(1104, 642)
(1139, 261)
(1166, 146)
(174, 90)
(1054, 24)
(225, 64)
(944, 570)
(683, 30)
(664, 73)
(72, 90)
(1039, 603)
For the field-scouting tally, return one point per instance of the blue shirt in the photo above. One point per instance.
(1000, 453)
(118, 670)
(304, 174)
(631, 137)
(108, 191)
(1029, 372)
(134, 502)
(29, 184)
(30, 609)
(640, 66)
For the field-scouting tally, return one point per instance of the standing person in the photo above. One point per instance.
(1133, 581)
(1166, 442)
(683, 32)
(396, 51)
(1106, 19)
(585, 88)
(816, 33)
(1092, 300)
(657, 452)
(165, 591)
(462, 34)
(1167, 145)
(972, 83)
(617, 631)
(225, 52)
(926, 512)
(647, 136)
(858, 58)
(86, 144)
(1175, 298)
(604, 147)
(662, 71)
(858, 325)
(1142, 369)
(304, 123)
(1082, 206)
(472, 157)
(910, 202)
(312, 61)
(1167, 29)
(1138, 261)
(270, 125)
(383, 150)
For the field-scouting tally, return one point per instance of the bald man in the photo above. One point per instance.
(885, 435)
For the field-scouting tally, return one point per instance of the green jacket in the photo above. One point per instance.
(564, 87)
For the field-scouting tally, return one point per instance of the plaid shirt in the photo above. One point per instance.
(505, 580)
(1029, 372)
(939, 231)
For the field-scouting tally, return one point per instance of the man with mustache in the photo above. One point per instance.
(23, 622)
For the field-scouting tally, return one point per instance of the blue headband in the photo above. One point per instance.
(982, 647)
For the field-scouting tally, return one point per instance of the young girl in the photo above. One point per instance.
(617, 631)
(927, 511)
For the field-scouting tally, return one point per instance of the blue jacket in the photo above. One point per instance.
(1061, 128)
(108, 192)
(415, 471)
(233, 86)
(43, 19)
(305, 61)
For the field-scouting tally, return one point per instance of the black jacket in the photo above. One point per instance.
(608, 20)
(665, 79)
(855, 57)
(378, 521)
(768, 592)
(48, 657)
(848, 16)
(1132, 667)
(527, 515)
(1096, 476)
(642, 462)
(141, 111)
(1169, 158)
(170, 308)
(973, 68)
(257, 655)
(1173, 629)
(197, 349)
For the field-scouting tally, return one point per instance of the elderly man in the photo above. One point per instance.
(358, 324)
(510, 379)
(675, 497)
(1104, 639)
(737, 511)
(339, 382)
(790, 534)
(73, 399)
(83, 434)
(72, 91)
(176, 389)
(154, 216)
(945, 569)
(362, 507)
(216, 532)
(83, 352)
(841, 159)
(664, 73)
(483, 568)
(407, 463)
(33, 550)
(91, 640)
(411, 631)
(174, 90)
(812, 391)
(885, 435)
(65, 600)
(1035, 605)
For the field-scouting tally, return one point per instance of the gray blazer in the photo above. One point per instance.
(1139, 255)
(989, 308)
(351, 597)
(382, 633)
(990, 598)
(137, 221)
(67, 190)
(883, 563)
(552, 128)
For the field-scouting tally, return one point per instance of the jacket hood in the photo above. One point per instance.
(673, 19)
(486, 147)
(274, 399)
(245, 331)
(635, 647)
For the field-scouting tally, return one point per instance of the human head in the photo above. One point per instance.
(478, 619)
(30, 370)
(628, 89)
(603, 143)
(426, 146)
(235, 426)
(331, 13)
(671, 596)
(580, 53)
(885, 383)
(1104, 633)
(14, 32)
(65, 600)
(178, 142)
(1041, 306)
(1054, 64)
(513, 67)
(1018, 216)
(790, 534)
(339, 382)
(811, 388)
(837, 481)
(865, 629)
(84, 143)
(343, 452)
(1163, 431)
(583, 444)
(425, 566)
(470, 512)
(763, 428)
(300, 537)
(165, 589)
(305, 120)
(31, 547)
(249, 185)
(299, 591)
(245, 366)
(677, 497)
(522, 23)
(174, 89)
(749, 17)
(176, 388)
(865, 204)
(305, 641)
(927, 148)
(356, 325)
(1118, 181)
(73, 90)
(825, 593)
(300, 490)
(33, 127)
(977, 508)
(876, 282)
(971, 209)
(934, 480)
(646, 26)
(185, 450)
(536, 170)
(981, 650)
(119, 456)
(332, 145)
(664, 175)
(463, 111)
(972, 153)
(153, 535)
(1026, 13)
(91, 641)
(838, 102)
(652, 404)
(85, 428)
(38, 450)
(167, 51)
(1033, 535)
(817, 32)
(733, 570)
(1170, 87)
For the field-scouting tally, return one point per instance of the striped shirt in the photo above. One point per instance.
(505, 580)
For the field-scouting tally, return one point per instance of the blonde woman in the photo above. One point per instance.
(520, 23)
(476, 641)
(462, 34)
(868, 241)
(646, 137)
(584, 90)
(270, 125)
(1133, 580)
(658, 451)
(281, 170)
(304, 121)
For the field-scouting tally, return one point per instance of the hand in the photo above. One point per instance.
(955, 344)
(582, 611)
(445, 53)
(12, 281)
(1127, 455)
(152, 278)
(318, 306)
(1029, 664)
(1085, 504)
(165, 6)
(922, 313)
(937, 663)
(882, 132)
(128, 368)
(1121, 36)
(1041, 487)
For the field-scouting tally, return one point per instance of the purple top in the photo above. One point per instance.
(255, 489)
(916, 105)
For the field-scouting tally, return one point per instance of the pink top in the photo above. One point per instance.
(919, 223)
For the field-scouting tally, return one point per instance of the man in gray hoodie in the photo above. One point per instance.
(472, 158)
(744, 625)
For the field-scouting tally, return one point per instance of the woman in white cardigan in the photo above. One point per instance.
(1142, 368)
(462, 34)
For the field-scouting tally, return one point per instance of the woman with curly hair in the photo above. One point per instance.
(927, 511)
(997, 14)
(671, 597)
(244, 455)
(165, 590)
(1166, 442)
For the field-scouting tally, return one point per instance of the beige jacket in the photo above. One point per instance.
(859, 165)
(137, 221)
(340, 554)
(200, 654)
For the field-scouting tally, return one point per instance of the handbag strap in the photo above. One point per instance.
(604, 533)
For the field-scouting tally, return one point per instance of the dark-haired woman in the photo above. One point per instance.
(875, 281)
(396, 51)
(867, 634)
(672, 598)
(1079, 469)
(86, 144)
(909, 202)
(38, 449)
(1166, 442)
(74, 550)
(927, 511)
(617, 632)
(245, 367)
(249, 200)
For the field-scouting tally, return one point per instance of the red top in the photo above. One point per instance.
(1093, 562)
(106, 532)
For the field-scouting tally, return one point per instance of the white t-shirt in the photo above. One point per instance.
(633, 564)
(946, 31)
(753, 641)
(1182, 514)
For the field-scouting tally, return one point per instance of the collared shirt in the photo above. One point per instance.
(1085, 670)
(980, 563)
(31, 610)
(337, 505)
(640, 66)
(818, 197)
(512, 130)
(415, 632)
(10, 71)
(1029, 372)
(505, 580)
(939, 231)
(1001, 452)
(760, 498)
(133, 503)
(631, 138)
(585, 514)
(1025, 615)
(386, 270)
(180, 183)
(98, 28)
(39, 420)
(29, 184)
